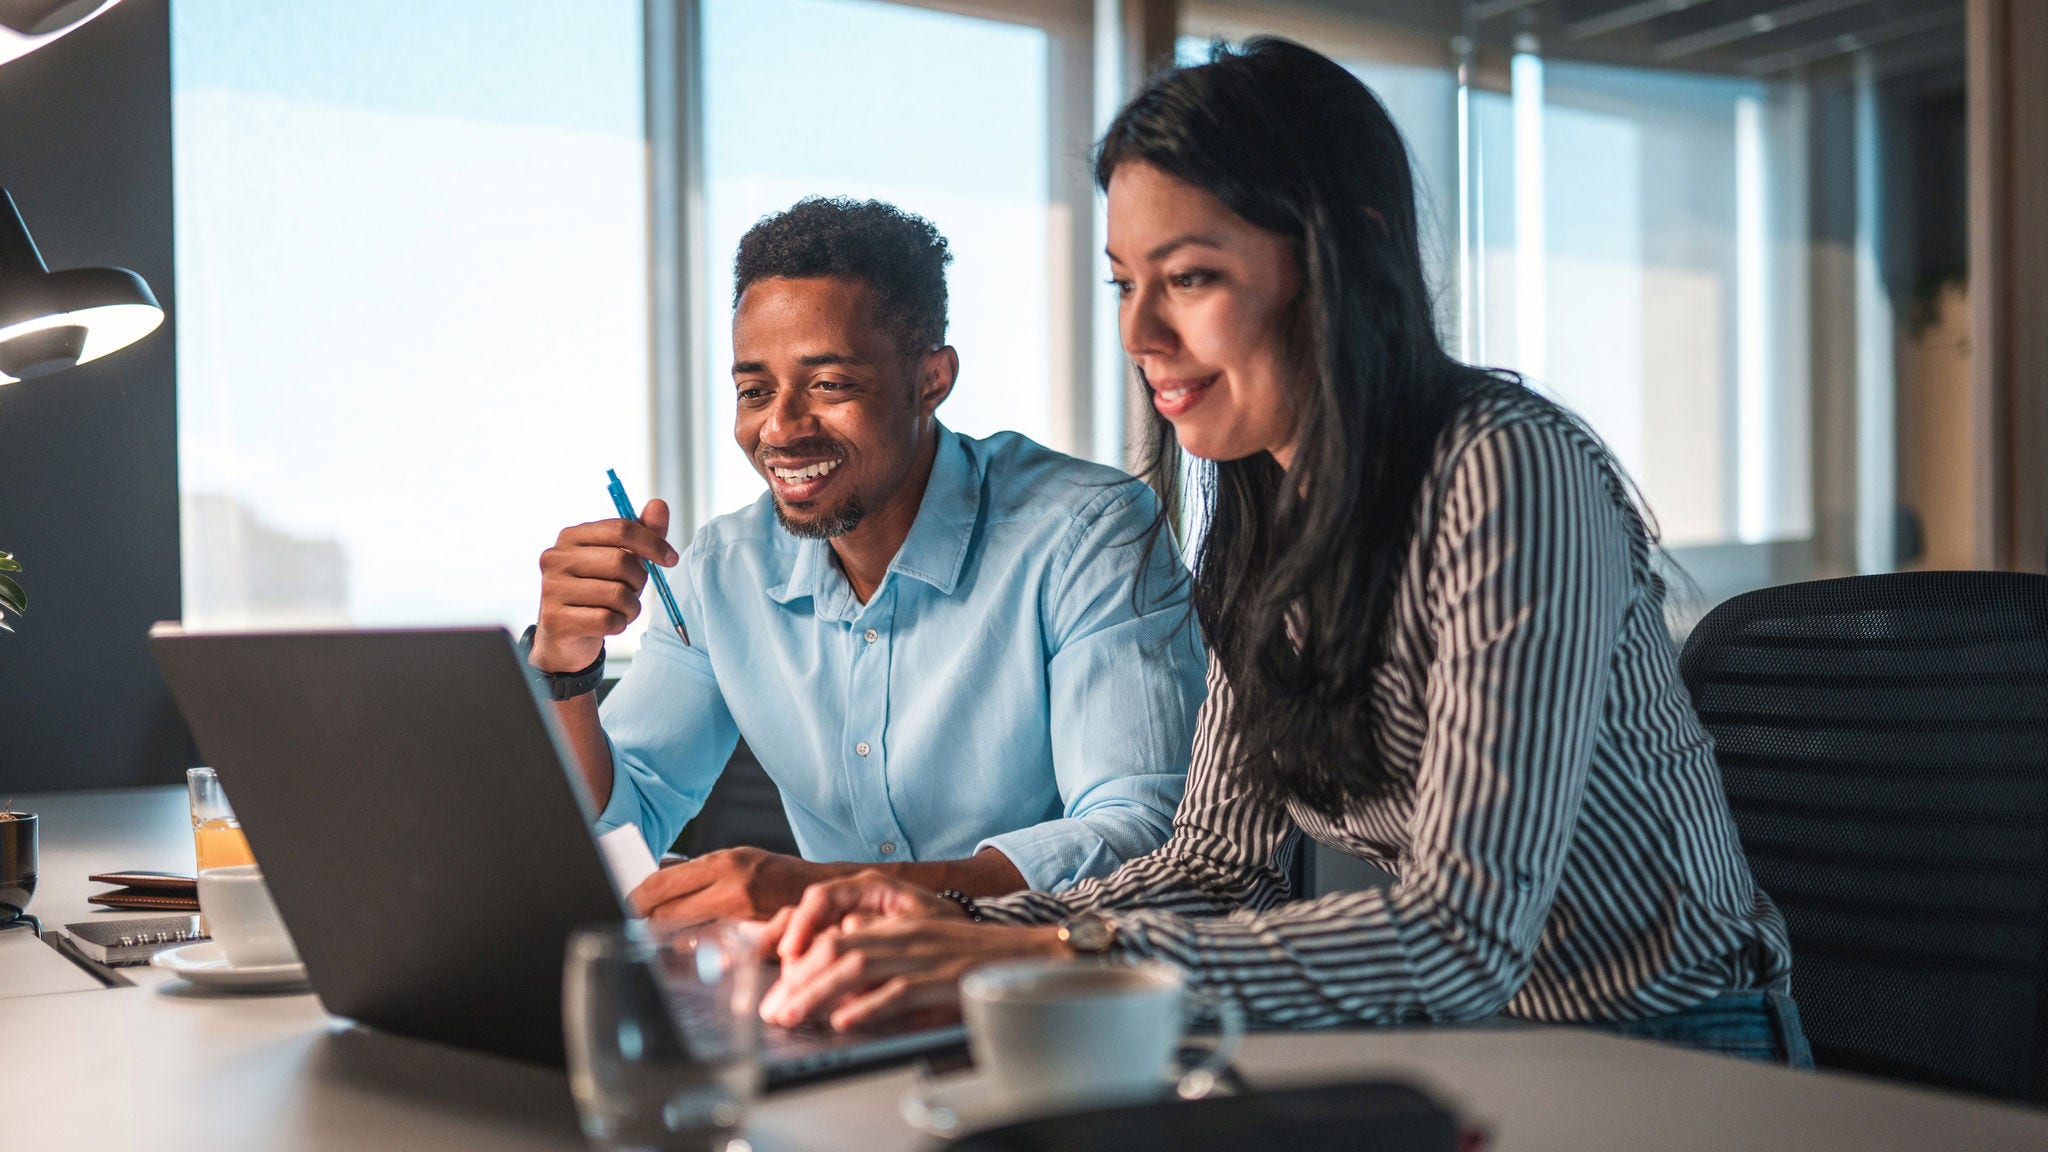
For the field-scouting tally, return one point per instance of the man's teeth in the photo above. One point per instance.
(799, 475)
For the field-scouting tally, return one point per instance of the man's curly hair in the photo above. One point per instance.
(901, 258)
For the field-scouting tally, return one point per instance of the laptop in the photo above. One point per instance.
(416, 820)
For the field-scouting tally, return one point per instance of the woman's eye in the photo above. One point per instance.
(1123, 287)
(1194, 279)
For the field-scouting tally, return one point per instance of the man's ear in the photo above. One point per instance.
(935, 375)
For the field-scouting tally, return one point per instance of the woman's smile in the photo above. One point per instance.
(1176, 397)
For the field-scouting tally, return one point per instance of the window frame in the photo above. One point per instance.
(685, 441)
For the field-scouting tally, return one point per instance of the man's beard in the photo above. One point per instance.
(838, 522)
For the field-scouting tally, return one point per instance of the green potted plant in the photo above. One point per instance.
(12, 598)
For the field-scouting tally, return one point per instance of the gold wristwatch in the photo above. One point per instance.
(1089, 934)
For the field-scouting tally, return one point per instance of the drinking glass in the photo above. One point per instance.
(216, 835)
(663, 1035)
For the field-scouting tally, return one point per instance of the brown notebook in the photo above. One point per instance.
(154, 891)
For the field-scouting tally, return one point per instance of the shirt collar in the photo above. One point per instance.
(935, 549)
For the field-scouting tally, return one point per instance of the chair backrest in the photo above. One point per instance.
(1884, 743)
(743, 810)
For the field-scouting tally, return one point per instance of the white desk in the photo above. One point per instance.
(161, 1066)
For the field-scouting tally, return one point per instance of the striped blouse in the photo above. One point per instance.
(1559, 841)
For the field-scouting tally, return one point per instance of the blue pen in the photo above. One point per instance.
(668, 598)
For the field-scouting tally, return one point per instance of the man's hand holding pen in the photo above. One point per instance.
(591, 582)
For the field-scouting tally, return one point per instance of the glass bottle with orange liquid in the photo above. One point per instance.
(216, 835)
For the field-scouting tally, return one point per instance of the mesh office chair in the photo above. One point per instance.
(1884, 743)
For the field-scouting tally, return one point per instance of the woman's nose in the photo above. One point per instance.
(1146, 330)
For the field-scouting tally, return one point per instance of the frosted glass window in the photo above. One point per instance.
(1641, 256)
(412, 299)
(943, 115)
(1672, 285)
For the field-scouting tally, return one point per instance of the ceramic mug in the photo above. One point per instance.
(17, 864)
(1071, 1031)
(243, 918)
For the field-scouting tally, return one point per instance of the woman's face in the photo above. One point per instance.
(1203, 295)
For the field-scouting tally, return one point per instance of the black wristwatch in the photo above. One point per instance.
(1089, 934)
(560, 685)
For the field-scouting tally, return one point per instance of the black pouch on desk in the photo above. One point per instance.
(1380, 1115)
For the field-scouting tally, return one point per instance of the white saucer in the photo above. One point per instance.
(968, 1102)
(206, 965)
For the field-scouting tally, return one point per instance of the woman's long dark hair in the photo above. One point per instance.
(1294, 575)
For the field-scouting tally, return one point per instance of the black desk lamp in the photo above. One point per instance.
(26, 25)
(50, 321)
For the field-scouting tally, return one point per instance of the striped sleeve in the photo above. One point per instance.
(1227, 851)
(1530, 572)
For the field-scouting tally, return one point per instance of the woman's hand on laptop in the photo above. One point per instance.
(730, 884)
(895, 971)
(846, 903)
(590, 584)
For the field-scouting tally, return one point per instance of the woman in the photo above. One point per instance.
(1437, 641)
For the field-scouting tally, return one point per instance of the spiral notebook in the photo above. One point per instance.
(132, 940)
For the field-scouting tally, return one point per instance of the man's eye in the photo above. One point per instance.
(834, 385)
(749, 395)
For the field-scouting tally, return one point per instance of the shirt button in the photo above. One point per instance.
(871, 635)
(888, 847)
(861, 749)
(1525, 882)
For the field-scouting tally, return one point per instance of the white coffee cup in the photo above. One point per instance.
(243, 918)
(1076, 1031)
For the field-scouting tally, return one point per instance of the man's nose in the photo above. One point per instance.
(790, 418)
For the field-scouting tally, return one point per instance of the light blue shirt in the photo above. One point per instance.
(999, 689)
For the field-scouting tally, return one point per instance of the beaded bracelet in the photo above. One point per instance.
(965, 901)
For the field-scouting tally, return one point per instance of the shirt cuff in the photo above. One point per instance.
(1023, 908)
(624, 806)
(1054, 855)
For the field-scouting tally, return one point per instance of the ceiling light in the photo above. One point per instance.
(26, 25)
(50, 321)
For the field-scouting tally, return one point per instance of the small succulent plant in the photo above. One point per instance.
(12, 598)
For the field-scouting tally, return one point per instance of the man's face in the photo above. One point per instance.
(829, 409)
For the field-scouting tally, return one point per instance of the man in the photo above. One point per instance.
(969, 663)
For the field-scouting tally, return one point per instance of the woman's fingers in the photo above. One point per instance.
(868, 894)
(841, 967)
(837, 966)
(821, 906)
(796, 972)
(929, 998)
(806, 992)
(769, 936)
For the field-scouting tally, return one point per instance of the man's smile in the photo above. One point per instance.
(797, 482)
